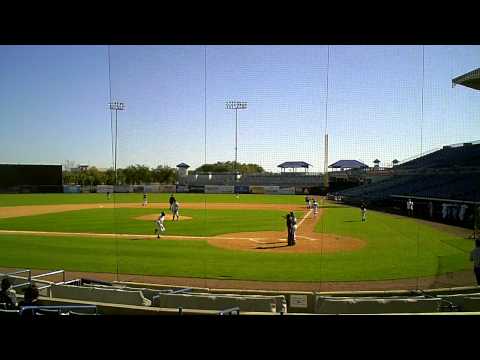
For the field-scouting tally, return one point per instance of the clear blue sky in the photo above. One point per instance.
(53, 103)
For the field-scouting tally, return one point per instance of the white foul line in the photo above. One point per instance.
(304, 218)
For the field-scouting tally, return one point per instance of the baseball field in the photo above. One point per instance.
(223, 237)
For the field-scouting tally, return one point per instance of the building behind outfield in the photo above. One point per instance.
(16, 178)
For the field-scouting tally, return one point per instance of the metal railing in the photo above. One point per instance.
(20, 272)
(50, 273)
(59, 308)
(179, 291)
(231, 311)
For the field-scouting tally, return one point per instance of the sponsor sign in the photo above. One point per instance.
(104, 188)
(271, 189)
(219, 189)
(196, 188)
(287, 191)
(182, 188)
(151, 188)
(257, 190)
(167, 188)
(71, 188)
(298, 301)
(242, 189)
(123, 188)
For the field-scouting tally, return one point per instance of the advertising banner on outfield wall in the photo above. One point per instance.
(257, 189)
(271, 189)
(71, 188)
(219, 189)
(167, 188)
(151, 188)
(104, 189)
(182, 188)
(242, 189)
(301, 190)
(123, 188)
(287, 191)
(196, 188)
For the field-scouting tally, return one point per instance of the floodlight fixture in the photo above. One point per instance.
(235, 105)
(117, 106)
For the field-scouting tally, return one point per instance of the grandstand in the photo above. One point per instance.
(447, 175)
(79, 297)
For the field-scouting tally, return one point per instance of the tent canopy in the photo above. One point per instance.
(294, 165)
(470, 79)
(348, 164)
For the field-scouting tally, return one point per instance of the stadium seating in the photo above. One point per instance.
(205, 301)
(447, 157)
(365, 305)
(147, 293)
(459, 300)
(87, 293)
(472, 303)
(460, 184)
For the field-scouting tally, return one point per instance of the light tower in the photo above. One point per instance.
(116, 106)
(236, 105)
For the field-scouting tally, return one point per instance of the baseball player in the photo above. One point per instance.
(315, 207)
(410, 207)
(171, 201)
(175, 209)
(363, 209)
(307, 202)
(159, 227)
(144, 199)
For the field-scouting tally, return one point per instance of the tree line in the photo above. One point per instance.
(131, 175)
(142, 174)
(229, 166)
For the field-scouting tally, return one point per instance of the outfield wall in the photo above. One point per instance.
(16, 178)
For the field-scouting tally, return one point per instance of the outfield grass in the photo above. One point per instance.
(395, 247)
(50, 199)
(122, 220)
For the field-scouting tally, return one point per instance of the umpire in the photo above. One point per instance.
(171, 201)
(289, 230)
(475, 257)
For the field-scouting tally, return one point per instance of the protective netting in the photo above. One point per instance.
(237, 135)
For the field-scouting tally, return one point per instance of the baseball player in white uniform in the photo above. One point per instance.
(175, 210)
(159, 227)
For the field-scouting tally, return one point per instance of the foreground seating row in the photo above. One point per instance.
(106, 295)
(335, 305)
(205, 301)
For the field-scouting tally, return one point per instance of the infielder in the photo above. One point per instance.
(159, 227)
(175, 209)
(144, 199)
(315, 207)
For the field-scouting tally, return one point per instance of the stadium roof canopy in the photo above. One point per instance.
(470, 79)
(348, 164)
(183, 165)
(294, 165)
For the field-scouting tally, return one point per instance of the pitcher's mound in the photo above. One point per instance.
(277, 241)
(153, 217)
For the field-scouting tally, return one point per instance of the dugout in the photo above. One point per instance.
(15, 178)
